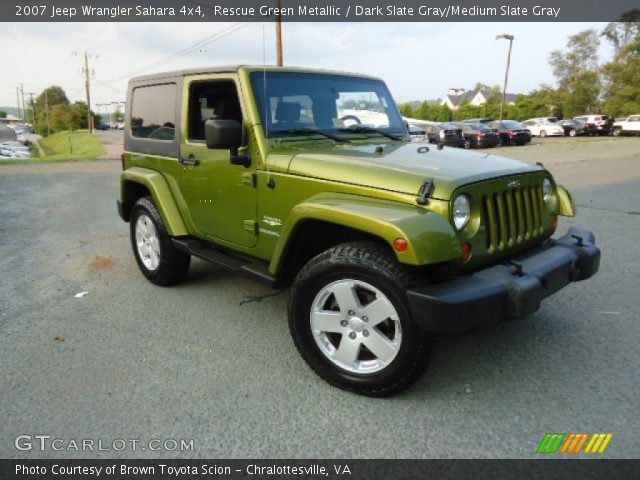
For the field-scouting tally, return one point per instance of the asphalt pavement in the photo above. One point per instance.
(211, 360)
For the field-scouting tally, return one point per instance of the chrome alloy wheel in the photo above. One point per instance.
(355, 326)
(147, 242)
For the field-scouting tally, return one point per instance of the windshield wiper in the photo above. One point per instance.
(364, 129)
(311, 131)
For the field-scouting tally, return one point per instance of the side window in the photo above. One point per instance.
(208, 100)
(153, 112)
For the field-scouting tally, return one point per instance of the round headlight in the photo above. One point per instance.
(461, 211)
(547, 190)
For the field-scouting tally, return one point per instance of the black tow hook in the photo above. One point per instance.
(519, 270)
(580, 241)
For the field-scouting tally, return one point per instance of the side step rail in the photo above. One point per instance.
(255, 270)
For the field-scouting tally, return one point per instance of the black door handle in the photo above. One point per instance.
(190, 160)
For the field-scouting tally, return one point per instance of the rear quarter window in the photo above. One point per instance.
(153, 112)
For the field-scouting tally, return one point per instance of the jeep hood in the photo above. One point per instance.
(400, 168)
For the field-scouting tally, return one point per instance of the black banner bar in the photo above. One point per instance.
(321, 469)
(318, 10)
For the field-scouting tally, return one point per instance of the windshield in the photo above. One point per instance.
(329, 103)
(509, 125)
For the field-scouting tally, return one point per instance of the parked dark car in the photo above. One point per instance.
(477, 120)
(449, 134)
(576, 127)
(597, 124)
(479, 135)
(511, 132)
(103, 126)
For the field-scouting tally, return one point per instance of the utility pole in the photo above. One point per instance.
(279, 33)
(46, 109)
(87, 86)
(18, 102)
(505, 36)
(24, 110)
(33, 107)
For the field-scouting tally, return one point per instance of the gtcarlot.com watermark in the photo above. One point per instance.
(43, 443)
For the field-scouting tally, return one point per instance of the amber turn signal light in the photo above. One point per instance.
(466, 252)
(400, 245)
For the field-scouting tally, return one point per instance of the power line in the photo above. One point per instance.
(210, 39)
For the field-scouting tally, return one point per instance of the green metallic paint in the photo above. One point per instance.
(218, 199)
(400, 167)
(430, 236)
(161, 193)
(566, 206)
(370, 184)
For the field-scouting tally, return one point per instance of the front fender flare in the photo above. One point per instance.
(429, 235)
(161, 194)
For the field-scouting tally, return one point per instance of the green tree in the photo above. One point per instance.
(406, 110)
(621, 34)
(3, 114)
(55, 95)
(622, 73)
(576, 71)
(60, 118)
(581, 55)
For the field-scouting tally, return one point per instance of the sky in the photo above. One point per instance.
(417, 60)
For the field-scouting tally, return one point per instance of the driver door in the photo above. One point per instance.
(220, 198)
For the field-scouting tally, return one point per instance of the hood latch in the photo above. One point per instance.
(425, 191)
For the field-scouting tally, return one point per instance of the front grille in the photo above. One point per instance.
(513, 216)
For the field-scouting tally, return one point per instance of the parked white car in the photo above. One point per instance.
(548, 119)
(543, 128)
(14, 149)
(629, 126)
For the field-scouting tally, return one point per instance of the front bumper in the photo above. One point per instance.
(507, 290)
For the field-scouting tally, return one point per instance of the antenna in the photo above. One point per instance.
(266, 105)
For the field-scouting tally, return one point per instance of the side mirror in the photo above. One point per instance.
(223, 134)
(226, 134)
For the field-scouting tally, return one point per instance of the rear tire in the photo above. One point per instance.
(350, 320)
(467, 144)
(573, 132)
(617, 132)
(543, 133)
(159, 260)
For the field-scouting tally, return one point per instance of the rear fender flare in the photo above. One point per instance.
(161, 194)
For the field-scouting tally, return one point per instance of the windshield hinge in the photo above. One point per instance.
(425, 191)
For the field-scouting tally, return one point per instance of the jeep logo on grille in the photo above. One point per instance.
(513, 184)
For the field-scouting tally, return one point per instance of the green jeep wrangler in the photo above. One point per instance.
(309, 178)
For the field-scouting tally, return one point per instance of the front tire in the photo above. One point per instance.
(158, 259)
(543, 133)
(573, 132)
(617, 132)
(350, 320)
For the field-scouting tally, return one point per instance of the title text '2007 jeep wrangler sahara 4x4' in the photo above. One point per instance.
(384, 241)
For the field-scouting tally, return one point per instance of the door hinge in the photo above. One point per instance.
(251, 226)
(249, 178)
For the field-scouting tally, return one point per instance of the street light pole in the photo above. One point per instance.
(456, 92)
(505, 36)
